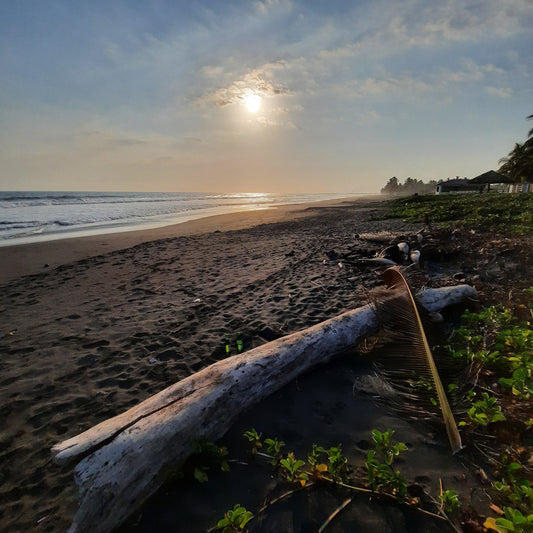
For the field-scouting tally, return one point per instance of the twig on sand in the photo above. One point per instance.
(284, 495)
(334, 514)
(318, 284)
(392, 497)
(440, 504)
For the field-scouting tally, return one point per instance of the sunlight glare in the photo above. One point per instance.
(252, 102)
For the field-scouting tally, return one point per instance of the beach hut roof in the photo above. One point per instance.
(458, 182)
(491, 177)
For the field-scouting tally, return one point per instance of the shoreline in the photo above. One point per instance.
(116, 320)
(25, 259)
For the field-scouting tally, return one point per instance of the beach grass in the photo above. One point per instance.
(488, 212)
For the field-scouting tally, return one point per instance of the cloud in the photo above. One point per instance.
(251, 83)
(290, 109)
(390, 28)
(381, 87)
(367, 117)
(106, 140)
(500, 92)
(212, 72)
(389, 85)
(268, 121)
(265, 7)
(469, 72)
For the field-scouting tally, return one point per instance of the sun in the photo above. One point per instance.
(252, 102)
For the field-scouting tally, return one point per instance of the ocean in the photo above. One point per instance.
(33, 216)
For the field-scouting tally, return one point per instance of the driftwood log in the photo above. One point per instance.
(126, 459)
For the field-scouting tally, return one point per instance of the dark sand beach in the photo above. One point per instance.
(112, 320)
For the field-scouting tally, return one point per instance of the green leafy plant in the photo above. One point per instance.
(316, 460)
(208, 456)
(381, 475)
(385, 446)
(450, 501)
(517, 490)
(292, 469)
(498, 342)
(513, 520)
(484, 412)
(254, 439)
(235, 520)
(486, 212)
(337, 463)
(521, 381)
(273, 447)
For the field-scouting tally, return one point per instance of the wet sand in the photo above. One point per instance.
(112, 320)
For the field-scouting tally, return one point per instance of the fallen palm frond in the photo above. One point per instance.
(407, 338)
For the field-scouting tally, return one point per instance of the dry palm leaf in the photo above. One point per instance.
(398, 310)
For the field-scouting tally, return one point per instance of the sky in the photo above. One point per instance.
(280, 96)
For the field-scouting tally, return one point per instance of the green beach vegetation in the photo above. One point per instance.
(494, 415)
(501, 348)
(488, 212)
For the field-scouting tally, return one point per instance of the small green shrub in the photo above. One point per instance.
(273, 447)
(208, 456)
(512, 213)
(385, 446)
(513, 520)
(292, 469)
(484, 412)
(381, 474)
(337, 463)
(235, 520)
(517, 490)
(450, 501)
(500, 343)
(254, 439)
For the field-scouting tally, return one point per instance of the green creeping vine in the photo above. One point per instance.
(273, 447)
(330, 465)
(208, 456)
(484, 412)
(292, 469)
(500, 343)
(516, 490)
(235, 520)
(487, 212)
(254, 439)
(381, 475)
(449, 501)
(502, 346)
(513, 520)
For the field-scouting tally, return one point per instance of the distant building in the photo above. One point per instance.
(489, 181)
(458, 186)
(493, 181)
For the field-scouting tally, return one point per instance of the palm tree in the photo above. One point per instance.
(518, 164)
(529, 142)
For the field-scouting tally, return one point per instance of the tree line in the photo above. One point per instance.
(410, 186)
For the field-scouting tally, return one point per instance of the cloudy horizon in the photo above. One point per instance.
(259, 96)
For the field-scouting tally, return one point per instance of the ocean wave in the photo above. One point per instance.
(18, 202)
(7, 225)
(66, 213)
